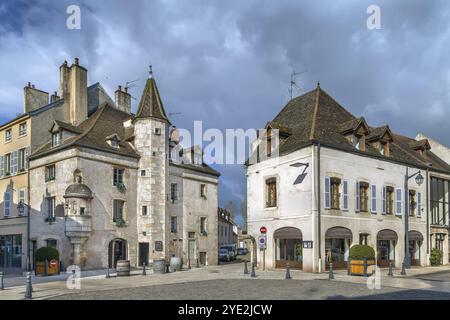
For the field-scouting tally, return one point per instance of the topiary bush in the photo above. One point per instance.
(46, 253)
(360, 251)
(436, 257)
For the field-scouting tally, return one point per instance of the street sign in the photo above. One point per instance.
(263, 229)
(307, 244)
(262, 241)
(53, 263)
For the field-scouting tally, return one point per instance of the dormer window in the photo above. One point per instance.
(113, 141)
(356, 131)
(360, 142)
(56, 138)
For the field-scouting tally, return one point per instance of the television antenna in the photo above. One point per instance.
(130, 84)
(293, 82)
(174, 113)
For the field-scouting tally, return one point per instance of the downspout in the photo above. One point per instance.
(427, 213)
(320, 202)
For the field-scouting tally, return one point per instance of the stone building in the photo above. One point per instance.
(227, 229)
(338, 182)
(101, 179)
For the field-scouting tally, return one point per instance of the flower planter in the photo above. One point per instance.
(51, 270)
(360, 267)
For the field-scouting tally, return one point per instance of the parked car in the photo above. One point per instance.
(242, 251)
(224, 255)
(231, 251)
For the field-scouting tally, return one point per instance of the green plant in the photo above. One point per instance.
(120, 223)
(436, 257)
(121, 187)
(360, 251)
(46, 253)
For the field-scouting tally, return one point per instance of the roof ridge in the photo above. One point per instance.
(100, 110)
(316, 110)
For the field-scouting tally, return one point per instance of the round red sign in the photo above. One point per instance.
(53, 263)
(263, 229)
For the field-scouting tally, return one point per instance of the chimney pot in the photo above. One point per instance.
(29, 84)
(120, 88)
(76, 61)
(126, 89)
(32, 86)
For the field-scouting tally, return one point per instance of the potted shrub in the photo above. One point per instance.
(436, 257)
(361, 257)
(121, 187)
(120, 223)
(44, 256)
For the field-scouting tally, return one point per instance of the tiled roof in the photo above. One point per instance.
(67, 126)
(316, 117)
(151, 105)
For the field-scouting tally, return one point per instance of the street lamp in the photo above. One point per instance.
(419, 180)
(21, 208)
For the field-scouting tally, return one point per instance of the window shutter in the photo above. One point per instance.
(26, 155)
(357, 197)
(373, 189)
(327, 193)
(419, 205)
(14, 162)
(345, 195)
(2, 171)
(398, 202)
(384, 199)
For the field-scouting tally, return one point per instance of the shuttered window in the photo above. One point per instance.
(373, 197)
(384, 200)
(345, 195)
(398, 202)
(419, 204)
(357, 197)
(327, 190)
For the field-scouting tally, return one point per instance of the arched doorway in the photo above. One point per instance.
(386, 242)
(415, 243)
(288, 247)
(337, 245)
(117, 251)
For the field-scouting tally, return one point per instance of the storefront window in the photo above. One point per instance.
(439, 201)
(11, 251)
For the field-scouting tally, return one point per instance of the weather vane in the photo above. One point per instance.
(150, 71)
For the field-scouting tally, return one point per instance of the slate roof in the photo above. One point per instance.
(150, 105)
(106, 121)
(67, 126)
(316, 117)
(204, 168)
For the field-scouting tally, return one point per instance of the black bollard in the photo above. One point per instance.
(330, 271)
(245, 267)
(29, 289)
(348, 266)
(107, 273)
(189, 263)
(74, 276)
(253, 274)
(365, 267)
(403, 273)
(167, 268)
(390, 273)
(288, 271)
(198, 264)
(46, 267)
(2, 286)
(144, 272)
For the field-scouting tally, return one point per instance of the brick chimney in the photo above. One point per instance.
(123, 99)
(33, 98)
(54, 97)
(73, 87)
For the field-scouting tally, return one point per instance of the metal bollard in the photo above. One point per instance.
(2, 286)
(403, 273)
(46, 267)
(167, 268)
(288, 271)
(144, 272)
(198, 264)
(74, 276)
(390, 273)
(189, 264)
(330, 271)
(253, 274)
(365, 267)
(348, 266)
(245, 267)
(107, 273)
(29, 289)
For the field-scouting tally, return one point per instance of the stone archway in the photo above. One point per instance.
(288, 247)
(386, 243)
(415, 244)
(117, 250)
(337, 245)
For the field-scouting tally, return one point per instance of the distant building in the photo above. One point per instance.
(227, 229)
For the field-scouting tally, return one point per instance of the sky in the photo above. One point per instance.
(228, 63)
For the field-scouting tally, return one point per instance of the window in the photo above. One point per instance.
(363, 238)
(203, 225)
(56, 138)
(173, 225)
(388, 200)
(7, 164)
(52, 243)
(191, 235)
(114, 143)
(144, 210)
(173, 192)
(345, 195)
(7, 204)
(51, 207)
(22, 129)
(118, 210)
(439, 199)
(398, 201)
(373, 197)
(82, 211)
(23, 159)
(8, 135)
(118, 176)
(142, 173)
(22, 196)
(362, 196)
(335, 195)
(203, 190)
(158, 131)
(14, 162)
(202, 258)
(50, 173)
(271, 193)
(412, 203)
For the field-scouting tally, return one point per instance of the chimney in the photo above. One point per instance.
(123, 99)
(73, 87)
(33, 98)
(54, 97)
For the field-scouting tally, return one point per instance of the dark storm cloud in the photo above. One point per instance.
(228, 62)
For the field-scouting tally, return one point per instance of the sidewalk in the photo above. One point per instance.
(97, 281)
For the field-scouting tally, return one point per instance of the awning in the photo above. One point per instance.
(287, 233)
(415, 235)
(338, 233)
(387, 235)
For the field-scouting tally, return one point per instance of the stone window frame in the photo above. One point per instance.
(124, 209)
(122, 176)
(203, 225)
(50, 175)
(8, 135)
(269, 182)
(173, 227)
(144, 210)
(23, 132)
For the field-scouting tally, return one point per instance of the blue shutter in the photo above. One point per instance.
(357, 197)
(398, 202)
(373, 197)
(327, 193)
(419, 205)
(345, 195)
(2, 171)
(384, 200)
(26, 155)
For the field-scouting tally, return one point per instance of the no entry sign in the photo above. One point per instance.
(263, 229)
(53, 263)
